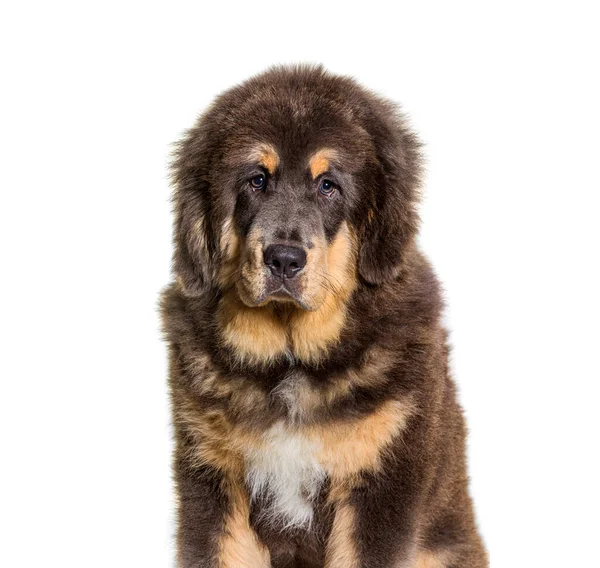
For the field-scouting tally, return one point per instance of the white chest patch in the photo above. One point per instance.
(286, 472)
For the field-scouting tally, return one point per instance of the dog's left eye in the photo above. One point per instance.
(326, 188)
(258, 182)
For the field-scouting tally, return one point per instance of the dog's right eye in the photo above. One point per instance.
(258, 182)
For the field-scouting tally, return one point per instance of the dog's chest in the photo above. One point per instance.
(285, 474)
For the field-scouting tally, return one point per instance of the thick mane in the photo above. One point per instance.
(316, 423)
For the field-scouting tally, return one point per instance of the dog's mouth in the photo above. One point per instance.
(283, 294)
(274, 290)
(285, 291)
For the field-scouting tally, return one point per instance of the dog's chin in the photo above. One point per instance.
(277, 293)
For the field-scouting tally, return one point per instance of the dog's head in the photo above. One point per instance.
(292, 187)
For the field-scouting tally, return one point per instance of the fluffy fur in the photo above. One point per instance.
(315, 419)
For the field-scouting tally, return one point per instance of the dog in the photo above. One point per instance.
(316, 423)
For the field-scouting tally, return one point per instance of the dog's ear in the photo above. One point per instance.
(195, 247)
(390, 221)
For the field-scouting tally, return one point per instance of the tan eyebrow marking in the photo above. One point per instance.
(319, 161)
(266, 156)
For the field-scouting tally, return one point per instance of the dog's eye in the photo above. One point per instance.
(258, 182)
(326, 188)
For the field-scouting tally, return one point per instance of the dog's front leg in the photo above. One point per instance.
(214, 529)
(374, 523)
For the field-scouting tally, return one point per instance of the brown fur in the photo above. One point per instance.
(315, 420)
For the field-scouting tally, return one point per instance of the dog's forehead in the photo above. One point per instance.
(295, 132)
(316, 160)
(316, 155)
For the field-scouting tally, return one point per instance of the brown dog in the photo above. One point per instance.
(316, 422)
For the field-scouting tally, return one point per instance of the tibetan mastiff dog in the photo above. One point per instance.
(315, 419)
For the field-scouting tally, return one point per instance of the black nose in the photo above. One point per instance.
(285, 261)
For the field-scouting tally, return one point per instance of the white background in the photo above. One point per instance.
(506, 98)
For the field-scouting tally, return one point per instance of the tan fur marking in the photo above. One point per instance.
(349, 447)
(217, 442)
(210, 430)
(266, 156)
(206, 379)
(341, 549)
(261, 153)
(373, 371)
(239, 546)
(199, 233)
(313, 277)
(319, 161)
(429, 559)
(312, 332)
(256, 334)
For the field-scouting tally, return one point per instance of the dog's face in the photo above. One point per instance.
(291, 187)
(291, 217)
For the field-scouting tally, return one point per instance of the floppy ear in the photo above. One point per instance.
(390, 222)
(193, 237)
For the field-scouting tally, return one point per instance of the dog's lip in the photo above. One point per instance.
(284, 294)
